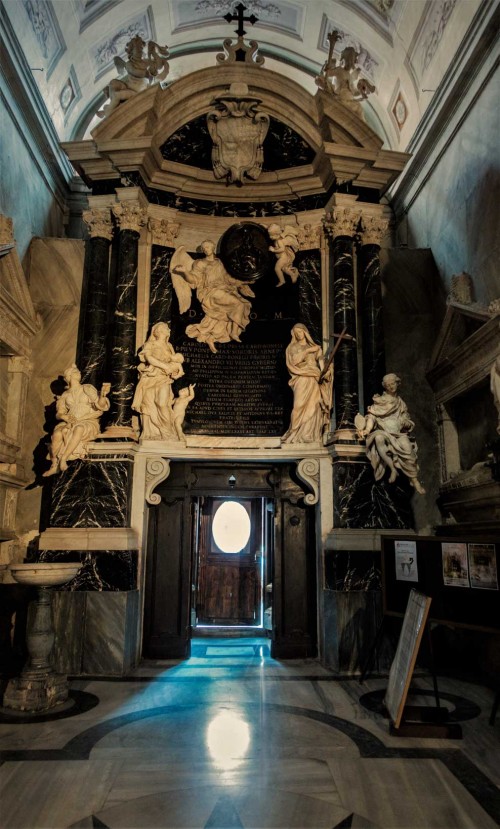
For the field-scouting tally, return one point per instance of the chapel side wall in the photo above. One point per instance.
(455, 213)
(55, 271)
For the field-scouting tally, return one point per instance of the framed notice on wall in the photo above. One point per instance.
(415, 618)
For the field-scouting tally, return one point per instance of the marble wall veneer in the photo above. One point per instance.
(360, 502)
(101, 570)
(91, 493)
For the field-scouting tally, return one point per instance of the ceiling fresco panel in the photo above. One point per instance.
(280, 16)
(105, 50)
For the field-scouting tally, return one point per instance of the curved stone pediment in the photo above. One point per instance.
(345, 148)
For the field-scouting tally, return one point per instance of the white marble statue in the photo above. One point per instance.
(222, 298)
(159, 366)
(140, 72)
(342, 79)
(179, 407)
(312, 388)
(495, 387)
(78, 408)
(285, 245)
(386, 428)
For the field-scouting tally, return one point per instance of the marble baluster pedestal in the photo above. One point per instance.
(39, 688)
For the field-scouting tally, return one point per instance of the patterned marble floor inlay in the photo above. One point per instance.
(232, 739)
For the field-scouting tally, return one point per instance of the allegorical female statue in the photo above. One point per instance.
(222, 298)
(386, 428)
(78, 408)
(154, 399)
(312, 388)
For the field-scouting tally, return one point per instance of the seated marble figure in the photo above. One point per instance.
(78, 408)
(386, 428)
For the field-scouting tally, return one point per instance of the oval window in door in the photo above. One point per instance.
(231, 527)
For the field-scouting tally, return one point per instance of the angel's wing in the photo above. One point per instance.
(360, 422)
(120, 64)
(290, 237)
(182, 289)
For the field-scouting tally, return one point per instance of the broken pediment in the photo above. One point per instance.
(142, 135)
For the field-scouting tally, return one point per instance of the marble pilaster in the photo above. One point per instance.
(161, 288)
(370, 290)
(91, 355)
(341, 226)
(130, 217)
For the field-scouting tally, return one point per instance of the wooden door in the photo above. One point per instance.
(229, 589)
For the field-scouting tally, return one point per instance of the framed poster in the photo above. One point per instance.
(406, 560)
(483, 566)
(455, 564)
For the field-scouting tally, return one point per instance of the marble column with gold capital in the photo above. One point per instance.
(373, 230)
(341, 226)
(130, 216)
(91, 356)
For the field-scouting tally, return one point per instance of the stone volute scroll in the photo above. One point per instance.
(139, 72)
(387, 427)
(157, 471)
(284, 245)
(225, 301)
(342, 78)
(162, 414)
(237, 130)
(311, 383)
(308, 472)
(78, 409)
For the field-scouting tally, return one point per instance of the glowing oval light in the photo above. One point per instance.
(231, 527)
(228, 739)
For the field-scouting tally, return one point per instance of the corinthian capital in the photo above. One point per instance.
(129, 215)
(99, 223)
(163, 232)
(373, 229)
(342, 221)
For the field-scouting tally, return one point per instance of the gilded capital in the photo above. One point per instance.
(129, 215)
(342, 221)
(99, 223)
(373, 229)
(163, 232)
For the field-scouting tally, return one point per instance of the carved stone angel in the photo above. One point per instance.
(285, 244)
(139, 72)
(222, 298)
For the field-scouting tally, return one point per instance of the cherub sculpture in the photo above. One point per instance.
(386, 428)
(140, 72)
(222, 298)
(181, 402)
(285, 244)
(78, 408)
(342, 79)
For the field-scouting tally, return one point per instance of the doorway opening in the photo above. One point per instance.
(232, 566)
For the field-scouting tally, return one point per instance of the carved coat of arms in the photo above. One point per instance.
(237, 131)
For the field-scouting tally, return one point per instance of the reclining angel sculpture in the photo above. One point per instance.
(223, 299)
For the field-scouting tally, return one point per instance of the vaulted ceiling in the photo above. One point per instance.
(405, 47)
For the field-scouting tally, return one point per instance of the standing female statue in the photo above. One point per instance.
(222, 298)
(312, 388)
(153, 399)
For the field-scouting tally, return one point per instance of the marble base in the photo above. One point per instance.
(36, 693)
(96, 633)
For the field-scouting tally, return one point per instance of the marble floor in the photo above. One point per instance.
(232, 739)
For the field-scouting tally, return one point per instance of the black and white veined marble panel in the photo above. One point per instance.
(360, 502)
(161, 289)
(308, 263)
(91, 493)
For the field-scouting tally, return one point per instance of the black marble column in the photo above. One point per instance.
(91, 356)
(370, 296)
(344, 316)
(122, 357)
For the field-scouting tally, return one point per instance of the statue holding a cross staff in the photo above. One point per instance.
(312, 385)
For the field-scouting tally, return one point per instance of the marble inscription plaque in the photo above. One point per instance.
(241, 390)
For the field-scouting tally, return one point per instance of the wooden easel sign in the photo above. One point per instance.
(414, 721)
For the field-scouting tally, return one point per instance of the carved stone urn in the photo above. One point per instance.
(39, 688)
